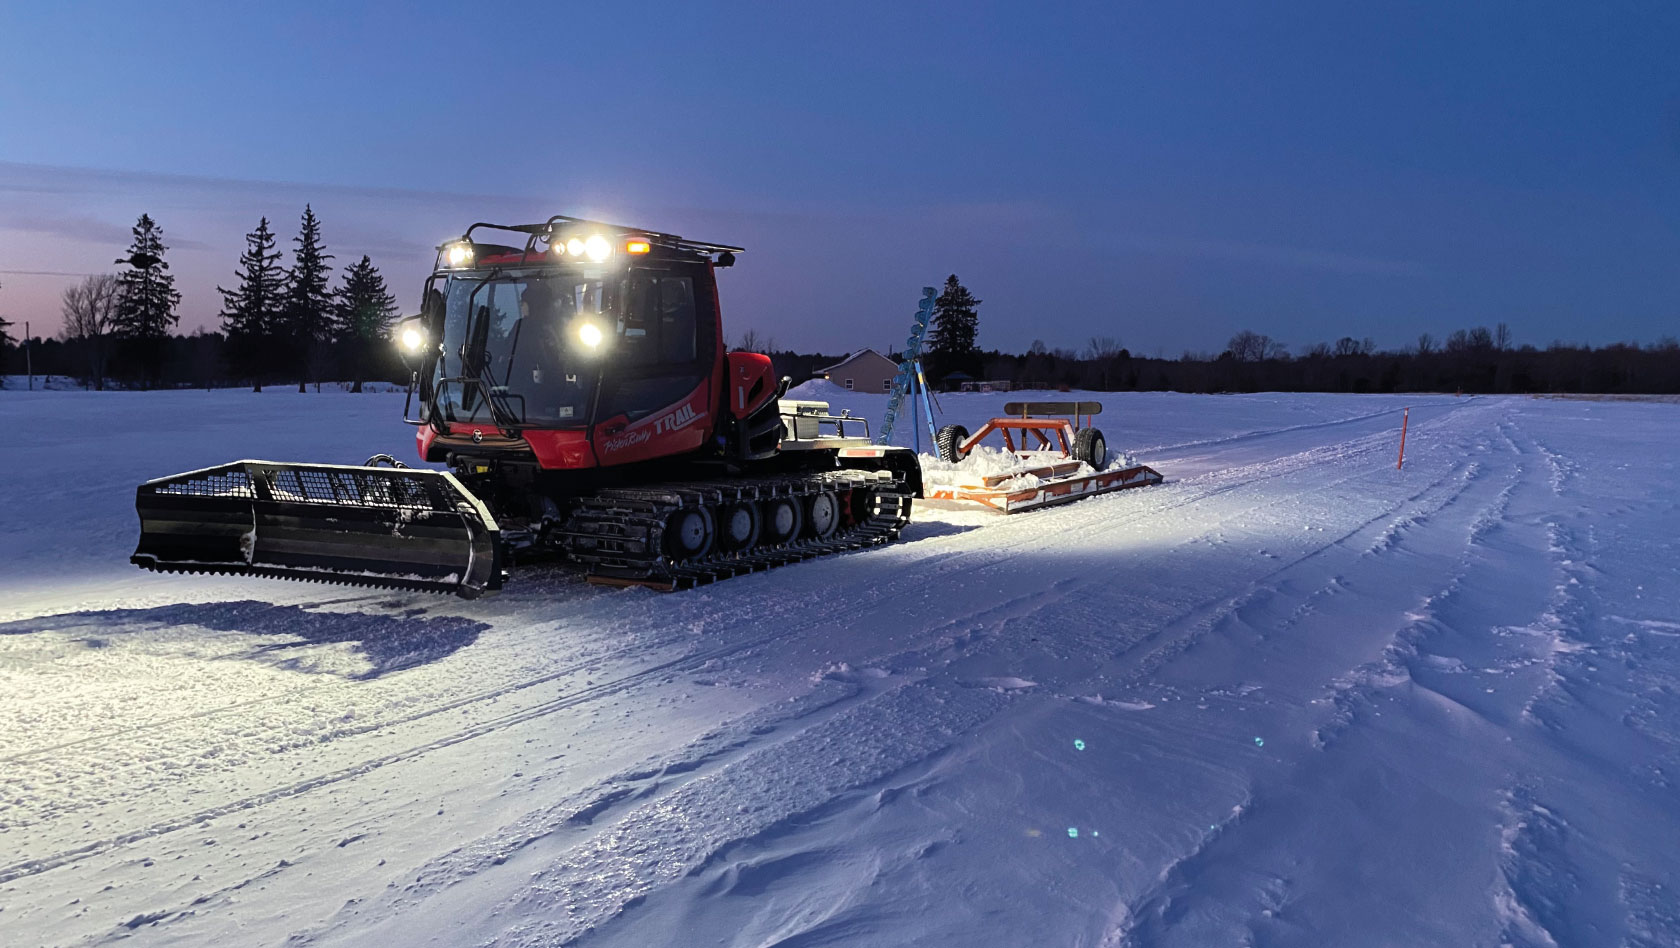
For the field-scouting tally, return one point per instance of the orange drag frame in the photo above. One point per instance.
(1060, 481)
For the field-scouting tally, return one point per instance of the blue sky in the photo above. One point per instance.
(1163, 173)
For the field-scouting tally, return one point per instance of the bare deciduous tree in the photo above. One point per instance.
(1248, 346)
(1103, 347)
(1425, 344)
(90, 314)
(751, 341)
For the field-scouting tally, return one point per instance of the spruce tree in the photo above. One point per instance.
(365, 311)
(956, 324)
(147, 298)
(365, 306)
(307, 318)
(251, 311)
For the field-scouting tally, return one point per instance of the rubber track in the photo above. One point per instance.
(619, 533)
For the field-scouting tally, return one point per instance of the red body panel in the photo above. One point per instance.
(750, 382)
(561, 450)
(680, 429)
(554, 449)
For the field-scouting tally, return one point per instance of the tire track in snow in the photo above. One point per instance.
(1358, 543)
(1223, 482)
(938, 564)
(663, 841)
(1139, 661)
(1352, 693)
(1532, 841)
(1161, 914)
(1418, 504)
(1539, 878)
(687, 662)
(1069, 523)
(1030, 604)
(580, 812)
(1291, 429)
(18, 870)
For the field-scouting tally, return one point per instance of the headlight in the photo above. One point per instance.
(597, 248)
(574, 246)
(590, 335)
(459, 254)
(412, 339)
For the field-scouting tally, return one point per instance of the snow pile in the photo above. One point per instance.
(988, 461)
(819, 390)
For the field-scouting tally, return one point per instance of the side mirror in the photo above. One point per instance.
(412, 339)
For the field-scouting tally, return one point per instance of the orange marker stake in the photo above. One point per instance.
(1405, 417)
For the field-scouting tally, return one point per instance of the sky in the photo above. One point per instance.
(1164, 174)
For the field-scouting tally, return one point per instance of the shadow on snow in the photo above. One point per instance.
(387, 642)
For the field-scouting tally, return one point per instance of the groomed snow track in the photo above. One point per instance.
(1293, 696)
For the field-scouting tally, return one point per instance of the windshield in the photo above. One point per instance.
(513, 353)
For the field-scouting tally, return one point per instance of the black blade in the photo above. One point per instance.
(394, 527)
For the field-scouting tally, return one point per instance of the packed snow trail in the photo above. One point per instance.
(1293, 696)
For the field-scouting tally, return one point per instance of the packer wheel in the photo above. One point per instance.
(949, 440)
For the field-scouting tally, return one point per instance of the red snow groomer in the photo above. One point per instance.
(576, 384)
(1062, 458)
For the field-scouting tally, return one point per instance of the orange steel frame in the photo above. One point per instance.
(1059, 486)
(1039, 428)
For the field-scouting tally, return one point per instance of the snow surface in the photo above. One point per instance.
(1293, 696)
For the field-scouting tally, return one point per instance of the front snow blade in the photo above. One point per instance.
(396, 527)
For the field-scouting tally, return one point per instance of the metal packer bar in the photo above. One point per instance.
(396, 527)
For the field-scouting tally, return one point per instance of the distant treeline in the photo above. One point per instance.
(1465, 364)
(1472, 361)
(287, 324)
(1616, 368)
(201, 360)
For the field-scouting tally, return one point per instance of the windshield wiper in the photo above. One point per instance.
(496, 396)
(501, 409)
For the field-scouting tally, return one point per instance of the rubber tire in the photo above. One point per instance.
(1089, 446)
(675, 548)
(819, 526)
(949, 440)
(768, 534)
(728, 521)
